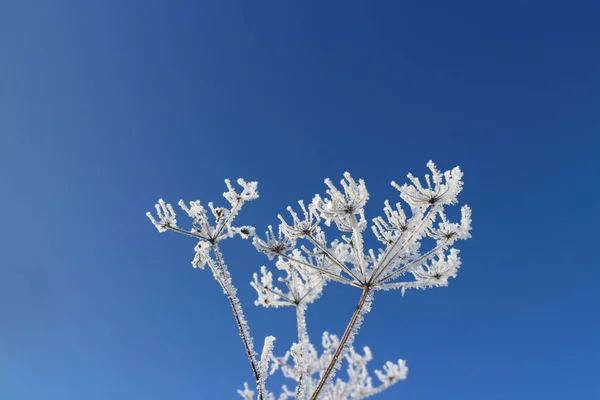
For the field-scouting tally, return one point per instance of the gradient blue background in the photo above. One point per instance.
(107, 106)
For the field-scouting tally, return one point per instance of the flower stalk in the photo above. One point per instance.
(338, 351)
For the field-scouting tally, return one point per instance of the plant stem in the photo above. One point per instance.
(238, 319)
(381, 266)
(301, 325)
(343, 341)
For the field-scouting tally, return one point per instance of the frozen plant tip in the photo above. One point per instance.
(417, 252)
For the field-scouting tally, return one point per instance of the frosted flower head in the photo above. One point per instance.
(268, 294)
(301, 227)
(392, 372)
(219, 213)
(201, 225)
(273, 245)
(249, 192)
(449, 232)
(166, 216)
(395, 223)
(223, 217)
(194, 211)
(245, 231)
(341, 205)
(441, 189)
(435, 273)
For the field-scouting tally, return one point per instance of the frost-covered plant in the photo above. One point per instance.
(407, 260)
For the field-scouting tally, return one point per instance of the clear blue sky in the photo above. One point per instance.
(106, 106)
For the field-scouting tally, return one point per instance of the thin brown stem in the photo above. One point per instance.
(338, 351)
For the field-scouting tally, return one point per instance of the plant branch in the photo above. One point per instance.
(301, 326)
(238, 319)
(390, 250)
(324, 271)
(280, 295)
(338, 351)
(332, 258)
(184, 232)
(357, 242)
(232, 212)
(410, 264)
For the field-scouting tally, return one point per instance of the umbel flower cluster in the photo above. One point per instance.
(416, 252)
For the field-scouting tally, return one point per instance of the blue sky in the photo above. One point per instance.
(107, 106)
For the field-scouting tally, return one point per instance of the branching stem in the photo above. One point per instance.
(329, 274)
(331, 257)
(410, 264)
(383, 263)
